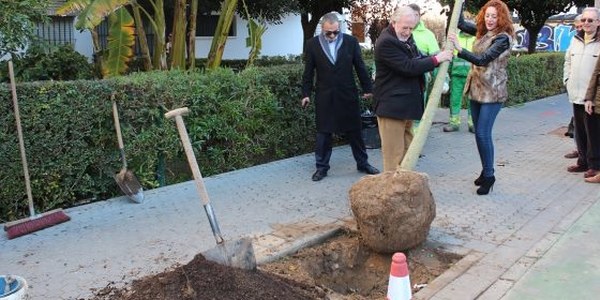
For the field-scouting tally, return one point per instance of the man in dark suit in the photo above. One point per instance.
(399, 84)
(334, 55)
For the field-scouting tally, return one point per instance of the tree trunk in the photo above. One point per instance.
(159, 58)
(191, 64)
(220, 37)
(179, 32)
(532, 37)
(141, 35)
(97, 55)
(416, 146)
(308, 27)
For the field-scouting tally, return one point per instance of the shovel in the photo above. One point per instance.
(237, 254)
(125, 178)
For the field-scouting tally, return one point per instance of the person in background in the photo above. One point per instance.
(459, 69)
(580, 59)
(486, 85)
(427, 45)
(570, 127)
(592, 123)
(335, 56)
(399, 84)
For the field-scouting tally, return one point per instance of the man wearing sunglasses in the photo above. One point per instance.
(335, 57)
(580, 59)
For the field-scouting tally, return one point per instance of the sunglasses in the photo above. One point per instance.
(334, 33)
(588, 20)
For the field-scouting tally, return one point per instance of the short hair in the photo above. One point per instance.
(330, 17)
(402, 11)
(504, 19)
(415, 7)
(577, 18)
(592, 9)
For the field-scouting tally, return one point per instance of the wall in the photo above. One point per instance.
(552, 37)
(283, 39)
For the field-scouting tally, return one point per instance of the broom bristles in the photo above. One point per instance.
(36, 224)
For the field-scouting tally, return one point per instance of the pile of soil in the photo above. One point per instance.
(203, 279)
(341, 268)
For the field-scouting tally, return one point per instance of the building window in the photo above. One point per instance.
(59, 31)
(207, 24)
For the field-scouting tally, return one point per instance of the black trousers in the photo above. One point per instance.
(323, 149)
(587, 137)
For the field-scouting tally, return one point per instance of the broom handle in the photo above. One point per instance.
(118, 129)
(20, 134)
(416, 146)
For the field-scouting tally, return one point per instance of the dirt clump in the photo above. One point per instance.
(393, 210)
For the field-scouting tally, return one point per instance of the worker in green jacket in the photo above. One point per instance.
(459, 69)
(427, 45)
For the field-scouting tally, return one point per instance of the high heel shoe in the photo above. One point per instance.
(479, 179)
(487, 185)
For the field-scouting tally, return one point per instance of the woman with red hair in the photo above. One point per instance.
(486, 86)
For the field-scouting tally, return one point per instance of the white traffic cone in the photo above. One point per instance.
(399, 283)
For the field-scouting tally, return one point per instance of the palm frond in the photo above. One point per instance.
(121, 37)
(73, 6)
(97, 11)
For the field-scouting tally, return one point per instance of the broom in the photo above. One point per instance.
(35, 221)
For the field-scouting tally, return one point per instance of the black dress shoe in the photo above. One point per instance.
(318, 175)
(368, 169)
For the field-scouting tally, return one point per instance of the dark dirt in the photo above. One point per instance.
(340, 268)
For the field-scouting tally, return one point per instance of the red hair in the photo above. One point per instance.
(504, 20)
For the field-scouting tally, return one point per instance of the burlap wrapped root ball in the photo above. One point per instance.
(393, 210)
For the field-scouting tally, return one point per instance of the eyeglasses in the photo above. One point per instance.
(588, 20)
(334, 33)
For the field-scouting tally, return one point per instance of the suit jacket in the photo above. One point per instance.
(336, 95)
(399, 80)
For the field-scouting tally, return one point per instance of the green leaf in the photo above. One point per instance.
(121, 38)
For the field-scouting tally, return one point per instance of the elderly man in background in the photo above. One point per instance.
(580, 59)
(399, 84)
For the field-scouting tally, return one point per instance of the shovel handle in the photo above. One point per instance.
(118, 129)
(189, 152)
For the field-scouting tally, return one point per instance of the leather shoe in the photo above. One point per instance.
(593, 179)
(590, 173)
(573, 154)
(368, 169)
(318, 175)
(577, 169)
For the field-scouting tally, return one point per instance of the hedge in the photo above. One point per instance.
(237, 120)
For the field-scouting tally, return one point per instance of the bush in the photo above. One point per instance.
(534, 76)
(237, 120)
(43, 62)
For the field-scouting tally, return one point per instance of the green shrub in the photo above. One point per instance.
(43, 62)
(534, 76)
(237, 119)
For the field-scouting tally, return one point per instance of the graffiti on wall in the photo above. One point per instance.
(552, 37)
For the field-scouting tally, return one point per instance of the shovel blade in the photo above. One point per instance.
(237, 254)
(130, 185)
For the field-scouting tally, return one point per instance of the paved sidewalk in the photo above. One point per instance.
(510, 238)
